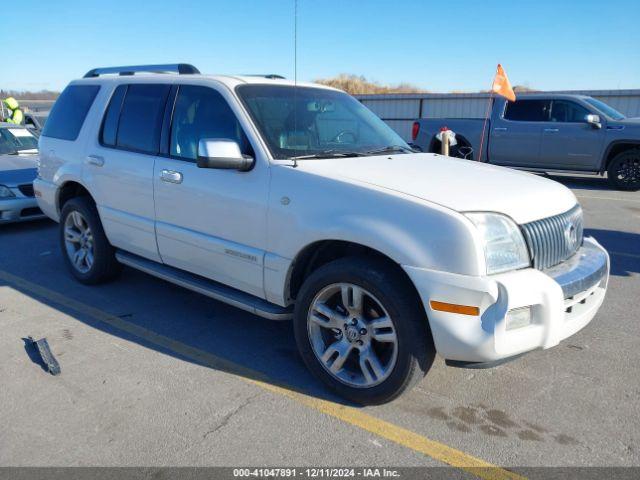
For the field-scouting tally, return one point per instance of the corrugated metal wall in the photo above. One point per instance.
(400, 110)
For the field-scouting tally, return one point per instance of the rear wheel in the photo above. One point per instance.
(361, 331)
(85, 248)
(624, 170)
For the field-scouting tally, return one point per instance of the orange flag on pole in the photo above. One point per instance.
(501, 85)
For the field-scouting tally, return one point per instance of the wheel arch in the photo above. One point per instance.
(321, 252)
(68, 190)
(615, 148)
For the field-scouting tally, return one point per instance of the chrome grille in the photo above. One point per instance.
(554, 239)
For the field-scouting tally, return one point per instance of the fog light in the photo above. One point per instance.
(518, 318)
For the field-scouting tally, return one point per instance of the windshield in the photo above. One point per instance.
(316, 123)
(16, 139)
(610, 112)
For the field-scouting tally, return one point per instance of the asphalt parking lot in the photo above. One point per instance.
(154, 375)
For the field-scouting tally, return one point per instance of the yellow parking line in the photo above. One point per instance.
(352, 416)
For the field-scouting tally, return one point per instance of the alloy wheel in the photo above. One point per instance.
(352, 335)
(628, 171)
(78, 241)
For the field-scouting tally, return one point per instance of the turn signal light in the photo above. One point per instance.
(454, 308)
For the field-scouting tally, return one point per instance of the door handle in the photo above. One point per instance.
(171, 176)
(96, 160)
(551, 129)
(500, 129)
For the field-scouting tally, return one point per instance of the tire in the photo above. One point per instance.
(387, 294)
(624, 170)
(80, 228)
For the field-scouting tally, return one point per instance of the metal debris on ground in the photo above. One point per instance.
(48, 360)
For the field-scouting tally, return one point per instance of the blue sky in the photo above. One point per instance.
(436, 45)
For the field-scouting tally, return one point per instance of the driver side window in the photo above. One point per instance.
(201, 112)
(565, 111)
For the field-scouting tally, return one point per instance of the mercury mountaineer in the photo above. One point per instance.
(294, 201)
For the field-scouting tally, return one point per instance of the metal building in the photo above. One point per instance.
(400, 110)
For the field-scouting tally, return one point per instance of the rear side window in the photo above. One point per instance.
(109, 133)
(528, 110)
(141, 116)
(69, 112)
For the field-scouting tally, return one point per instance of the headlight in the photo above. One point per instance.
(5, 192)
(504, 246)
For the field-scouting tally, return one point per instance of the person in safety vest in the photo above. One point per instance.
(15, 115)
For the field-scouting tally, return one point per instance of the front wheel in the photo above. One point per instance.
(624, 170)
(361, 330)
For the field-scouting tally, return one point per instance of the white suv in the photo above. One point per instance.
(295, 201)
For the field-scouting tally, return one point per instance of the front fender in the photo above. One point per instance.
(408, 230)
(632, 141)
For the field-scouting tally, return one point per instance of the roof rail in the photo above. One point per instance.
(179, 68)
(271, 76)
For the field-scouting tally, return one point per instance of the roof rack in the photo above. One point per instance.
(271, 76)
(179, 68)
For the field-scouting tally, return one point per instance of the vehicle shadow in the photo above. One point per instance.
(623, 248)
(163, 317)
(177, 322)
(30, 226)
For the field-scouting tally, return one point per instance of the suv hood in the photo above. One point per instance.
(461, 185)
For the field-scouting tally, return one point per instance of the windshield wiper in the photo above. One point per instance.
(329, 154)
(390, 149)
(345, 153)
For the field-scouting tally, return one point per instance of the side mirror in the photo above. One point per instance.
(594, 120)
(223, 154)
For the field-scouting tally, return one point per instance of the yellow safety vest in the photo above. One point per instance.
(17, 116)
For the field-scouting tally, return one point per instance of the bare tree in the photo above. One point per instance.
(25, 94)
(358, 84)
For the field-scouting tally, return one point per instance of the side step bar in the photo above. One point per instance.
(204, 286)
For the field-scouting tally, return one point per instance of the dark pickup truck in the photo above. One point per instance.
(552, 132)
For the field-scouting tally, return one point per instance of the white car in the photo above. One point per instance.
(295, 201)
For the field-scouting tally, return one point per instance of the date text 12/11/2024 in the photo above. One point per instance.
(315, 473)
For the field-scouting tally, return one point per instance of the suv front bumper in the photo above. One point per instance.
(562, 300)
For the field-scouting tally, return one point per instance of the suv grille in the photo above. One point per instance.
(554, 239)
(26, 189)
